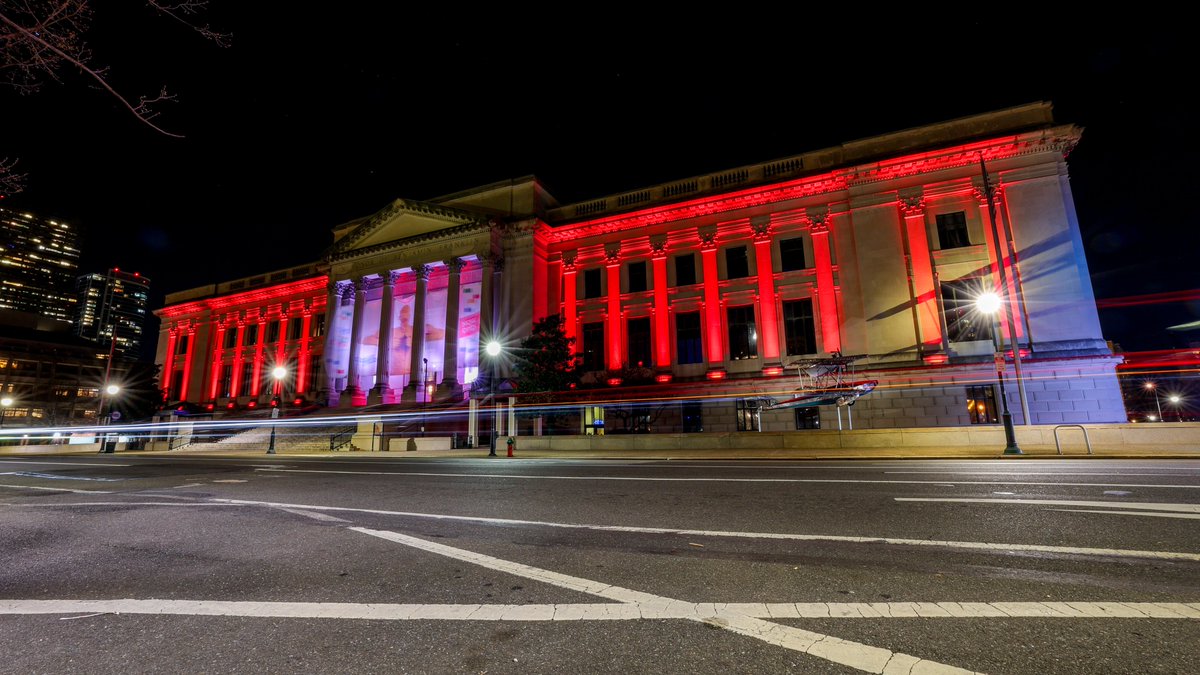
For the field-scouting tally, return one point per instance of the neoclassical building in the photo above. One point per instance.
(697, 297)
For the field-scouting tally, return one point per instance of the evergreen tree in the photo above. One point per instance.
(545, 363)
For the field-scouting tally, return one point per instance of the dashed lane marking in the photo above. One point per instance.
(846, 652)
(1142, 506)
(1154, 514)
(57, 489)
(667, 479)
(21, 461)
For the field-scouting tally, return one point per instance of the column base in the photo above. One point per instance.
(346, 398)
(409, 393)
(379, 394)
(449, 390)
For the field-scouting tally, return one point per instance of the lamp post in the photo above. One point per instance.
(493, 351)
(279, 372)
(1175, 400)
(989, 304)
(1158, 406)
(5, 404)
(106, 397)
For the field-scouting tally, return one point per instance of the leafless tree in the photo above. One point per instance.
(39, 39)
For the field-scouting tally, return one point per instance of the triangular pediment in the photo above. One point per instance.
(403, 219)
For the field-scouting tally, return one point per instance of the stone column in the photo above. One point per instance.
(352, 389)
(305, 356)
(920, 265)
(169, 361)
(280, 350)
(714, 345)
(418, 336)
(570, 294)
(238, 360)
(831, 334)
(218, 350)
(766, 292)
(450, 387)
(662, 320)
(615, 357)
(381, 392)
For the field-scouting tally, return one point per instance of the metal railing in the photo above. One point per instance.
(1086, 440)
(341, 438)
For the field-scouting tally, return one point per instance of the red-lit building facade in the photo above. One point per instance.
(701, 293)
(219, 343)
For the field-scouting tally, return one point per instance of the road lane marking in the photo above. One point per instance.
(19, 461)
(316, 515)
(890, 541)
(1042, 473)
(1144, 506)
(229, 480)
(612, 611)
(508, 476)
(56, 489)
(1191, 516)
(845, 652)
(56, 476)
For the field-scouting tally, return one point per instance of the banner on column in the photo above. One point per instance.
(368, 353)
(435, 332)
(338, 358)
(468, 332)
(402, 320)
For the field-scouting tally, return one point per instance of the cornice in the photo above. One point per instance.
(317, 285)
(426, 237)
(389, 212)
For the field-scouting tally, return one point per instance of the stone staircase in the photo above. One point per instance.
(307, 438)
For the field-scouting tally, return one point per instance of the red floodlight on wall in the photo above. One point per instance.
(252, 404)
(662, 378)
(231, 405)
(614, 381)
(298, 401)
(210, 406)
(772, 371)
(715, 374)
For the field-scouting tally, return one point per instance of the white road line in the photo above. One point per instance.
(1190, 516)
(969, 545)
(1041, 473)
(1144, 506)
(891, 541)
(229, 480)
(189, 485)
(848, 653)
(50, 489)
(611, 611)
(316, 515)
(19, 461)
(718, 480)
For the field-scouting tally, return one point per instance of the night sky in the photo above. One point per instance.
(312, 119)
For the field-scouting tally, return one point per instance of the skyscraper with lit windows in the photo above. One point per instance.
(113, 306)
(39, 260)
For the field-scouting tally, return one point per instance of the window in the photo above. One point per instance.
(181, 346)
(737, 263)
(981, 404)
(687, 338)
(251, 335)
(593, 346)
(273, 332)
(314, 375)
(685, 269)
(318, 325)
(798, 328)
(295, 328)
(791, 254)
(639, 342)
(693, 421)
(808, 418)
(965, 323)
(247, 372)
(226, 380)
(591, 283)
(952, 230)
(743, 339)
(637, 277)
(748, 415)
(176, 393)
(230, 337)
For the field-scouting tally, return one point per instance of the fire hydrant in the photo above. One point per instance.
(512, 443)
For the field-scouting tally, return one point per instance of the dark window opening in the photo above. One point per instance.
(637, 277)
(693, 420)
(593, 346)
(748, 418)
(639, 342)
(182, 346)
(800, 332)
(688, 345)
(952, 230)
(273, 332)
(176, 393)
(591, 283)
(737, 263)
(247, 373)
(981, 404)
(743, 338)
(791, 254)
(295, 327)
(230, 337)
(685, 269)
(318, 326)
(808, 418)
(250, 337)
(226, 380)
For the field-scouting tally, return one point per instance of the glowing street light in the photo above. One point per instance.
(1152, 387)
(493, 350)
(1175, 400)
(279, 373)
(6, 402)
(989, 303)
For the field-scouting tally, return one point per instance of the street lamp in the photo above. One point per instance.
(989, 303)
(1175, 400)
(6, 402)
(1157, 405)
(493, 351)
(105, 415)
(279, 372)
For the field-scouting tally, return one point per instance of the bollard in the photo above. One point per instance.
(512, 442)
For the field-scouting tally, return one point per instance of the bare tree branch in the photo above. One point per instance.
(10, 182)
(182, 10)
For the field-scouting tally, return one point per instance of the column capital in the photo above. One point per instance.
(658, 246)
(345, 290)
(980, 195)
(363, 283)
(708, 237)
(912, 203)
(454, 265)
(421, 272)
(761, 228)
(612, 254)
(568, 260)
(818, 222)
(390, 277)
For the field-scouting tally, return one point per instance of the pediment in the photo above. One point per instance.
(402, 220)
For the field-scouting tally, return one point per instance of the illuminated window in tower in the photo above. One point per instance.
(981, 405)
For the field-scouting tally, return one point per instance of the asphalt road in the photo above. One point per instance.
(280, 564)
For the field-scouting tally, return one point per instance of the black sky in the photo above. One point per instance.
(315, 118)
